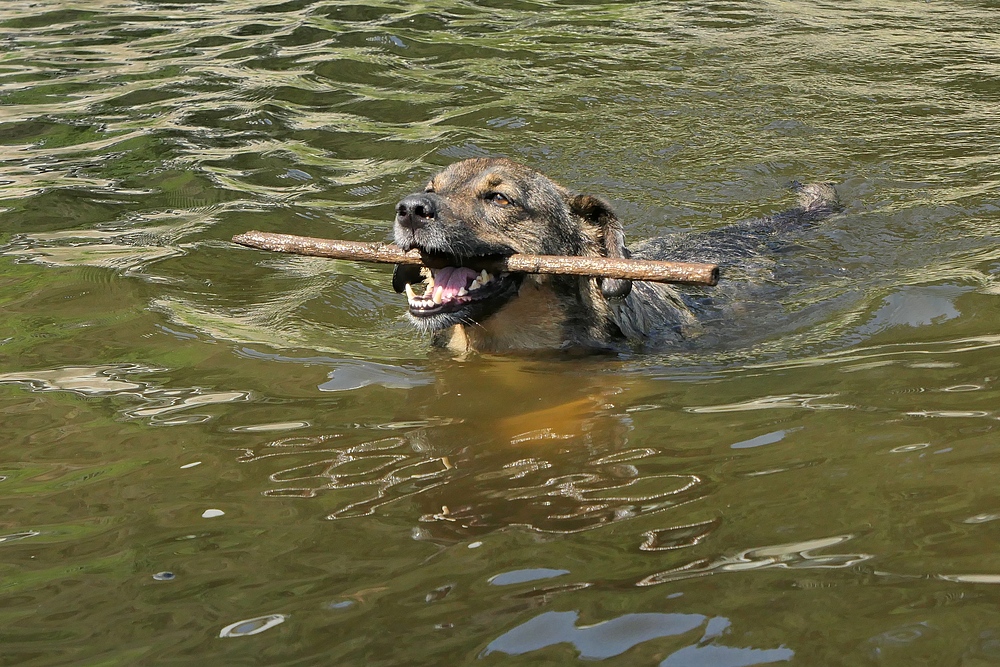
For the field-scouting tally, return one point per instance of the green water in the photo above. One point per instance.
(814, 484)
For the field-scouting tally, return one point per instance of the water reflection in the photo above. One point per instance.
(797, 555)
(266, 428)
(463, 493)
(368, 475)
(615, 636)
(349, 374)
(523, 576)
(160, 406)
(525, 448)
(916, 307)
(130, 248)
(972, 578)
(910, 354)
(85, 380)
(252, 626)
(678, 537)
(13, 537)
(593, 642)
(806, 401)
(883, 644)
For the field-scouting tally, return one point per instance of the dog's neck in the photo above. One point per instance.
(532, 321)
(454, 339)
(537, 319)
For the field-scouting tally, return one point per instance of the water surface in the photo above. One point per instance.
(216, 454)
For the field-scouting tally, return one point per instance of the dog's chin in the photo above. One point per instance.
(477, 300)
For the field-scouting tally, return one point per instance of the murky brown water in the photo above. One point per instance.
(212, 454)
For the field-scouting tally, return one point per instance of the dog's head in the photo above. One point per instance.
(489, 207)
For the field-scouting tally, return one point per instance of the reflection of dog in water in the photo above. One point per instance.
(490, 206)
(508, 442)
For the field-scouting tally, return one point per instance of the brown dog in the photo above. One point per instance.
(492, 206)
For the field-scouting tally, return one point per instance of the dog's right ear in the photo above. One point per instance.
(599, 213)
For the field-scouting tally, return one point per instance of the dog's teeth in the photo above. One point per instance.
(475, 285)
(436, 296)
(462, 291)
(409, 292)
(484, 277)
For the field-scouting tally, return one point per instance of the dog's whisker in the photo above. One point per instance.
(468, 321)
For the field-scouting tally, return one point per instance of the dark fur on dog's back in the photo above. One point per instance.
(743, 251)
(485, 207)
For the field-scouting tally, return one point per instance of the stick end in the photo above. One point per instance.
(245, 239)
(713, 276)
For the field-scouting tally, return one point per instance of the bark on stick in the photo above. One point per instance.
(386, 253)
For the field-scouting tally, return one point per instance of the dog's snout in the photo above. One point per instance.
(414, 211)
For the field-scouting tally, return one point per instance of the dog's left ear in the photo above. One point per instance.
(599, 213)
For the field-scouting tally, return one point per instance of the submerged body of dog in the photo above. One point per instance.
(492, 206)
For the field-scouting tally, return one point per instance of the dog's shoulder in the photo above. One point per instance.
(653, 314)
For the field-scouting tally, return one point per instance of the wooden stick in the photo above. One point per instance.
(386, 253)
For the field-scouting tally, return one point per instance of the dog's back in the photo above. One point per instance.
(654, 314)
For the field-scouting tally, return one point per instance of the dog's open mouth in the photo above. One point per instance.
(450, 288)
(453, 294)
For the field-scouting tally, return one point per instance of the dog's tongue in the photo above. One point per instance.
(451, 279)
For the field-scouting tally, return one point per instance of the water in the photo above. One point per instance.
(215, 454)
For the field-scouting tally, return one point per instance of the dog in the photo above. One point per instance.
(483, 208)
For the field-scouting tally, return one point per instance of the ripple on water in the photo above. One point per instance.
(806, 401)
(160, 406)
(252, 626)
(86, 380)
(523, 576)
(14, 537)
(351, 374)
(797, 555)
(266, 428)
(462, 495)
(903, 449)
(678, 537)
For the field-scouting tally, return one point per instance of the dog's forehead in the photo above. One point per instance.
(479, 174)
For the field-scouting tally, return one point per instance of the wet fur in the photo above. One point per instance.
(542, 217)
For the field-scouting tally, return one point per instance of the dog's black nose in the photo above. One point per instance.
(414, 211)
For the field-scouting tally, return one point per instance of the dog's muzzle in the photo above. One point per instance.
(454, 292)
(416, 211)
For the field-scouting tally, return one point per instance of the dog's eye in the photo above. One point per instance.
(498, 199)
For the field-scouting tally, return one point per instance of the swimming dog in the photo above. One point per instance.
(489, 207)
